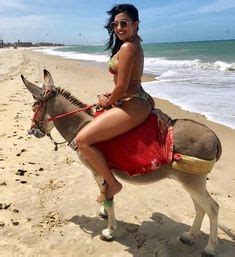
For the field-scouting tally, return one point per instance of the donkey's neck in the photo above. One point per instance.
(68, 126)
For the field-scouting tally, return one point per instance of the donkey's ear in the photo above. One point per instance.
(49, 84)
(33, 89)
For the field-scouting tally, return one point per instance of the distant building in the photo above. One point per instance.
(26, 44)
(23, 44)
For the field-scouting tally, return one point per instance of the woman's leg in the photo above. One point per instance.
(110, 124)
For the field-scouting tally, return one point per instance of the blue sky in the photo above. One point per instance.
(82, 21)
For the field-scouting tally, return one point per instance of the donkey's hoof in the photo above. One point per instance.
(186, 241)
(205, 254)
(107, 235)
(103, 238)
(209, 250)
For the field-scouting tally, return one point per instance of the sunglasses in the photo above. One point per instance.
(123, 24)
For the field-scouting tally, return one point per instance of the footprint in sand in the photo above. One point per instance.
(140, 239)
(50, 222)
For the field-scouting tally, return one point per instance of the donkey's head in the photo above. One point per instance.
(39, 128)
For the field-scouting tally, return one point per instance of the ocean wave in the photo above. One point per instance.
(162, 63)
(152, 65)
(224, 66)
(215, 103)
(75, 55)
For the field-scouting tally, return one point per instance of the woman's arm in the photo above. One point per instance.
(126, 59)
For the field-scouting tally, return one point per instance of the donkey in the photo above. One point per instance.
(191, 138)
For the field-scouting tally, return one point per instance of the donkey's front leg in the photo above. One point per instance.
(108, 233)
(107, 207)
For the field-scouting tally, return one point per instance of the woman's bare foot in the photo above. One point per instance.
(109, 192)
(102, 197)
(113, 190)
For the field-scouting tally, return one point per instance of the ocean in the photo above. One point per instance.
(197, 76)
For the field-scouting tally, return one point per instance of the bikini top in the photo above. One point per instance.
(113, 68)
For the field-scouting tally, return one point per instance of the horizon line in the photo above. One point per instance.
(164, 42)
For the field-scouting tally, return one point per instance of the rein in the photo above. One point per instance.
(38, 123)
(66, 114)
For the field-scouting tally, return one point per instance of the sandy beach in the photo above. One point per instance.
(48, 198)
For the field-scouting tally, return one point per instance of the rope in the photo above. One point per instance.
(67, 114)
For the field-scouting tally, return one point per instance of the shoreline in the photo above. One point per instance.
(51, 207)
(147, 77)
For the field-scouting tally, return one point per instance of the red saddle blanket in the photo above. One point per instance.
(141, 150)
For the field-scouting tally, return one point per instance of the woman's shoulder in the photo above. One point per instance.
(128, 44)
(129, 47)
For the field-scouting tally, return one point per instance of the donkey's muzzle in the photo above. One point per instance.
(36, 132)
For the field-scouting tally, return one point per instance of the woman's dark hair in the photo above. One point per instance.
(114, 43)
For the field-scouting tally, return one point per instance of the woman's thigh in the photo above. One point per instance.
(116, 121)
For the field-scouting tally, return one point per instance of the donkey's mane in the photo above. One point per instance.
(73, 100)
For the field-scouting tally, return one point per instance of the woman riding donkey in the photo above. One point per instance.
(131, 105)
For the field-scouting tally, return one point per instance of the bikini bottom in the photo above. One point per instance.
(142, 95)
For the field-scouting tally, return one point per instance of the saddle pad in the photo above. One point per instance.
(141, 150)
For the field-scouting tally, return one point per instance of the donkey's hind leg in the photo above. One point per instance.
(189, 237)
(197, 189)
(211, 208)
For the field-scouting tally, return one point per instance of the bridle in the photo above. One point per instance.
(37, 125)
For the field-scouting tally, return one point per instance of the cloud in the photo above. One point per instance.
(154, 12)
(22, 22)
(186, 9)
(12, 4)
(217, 6)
